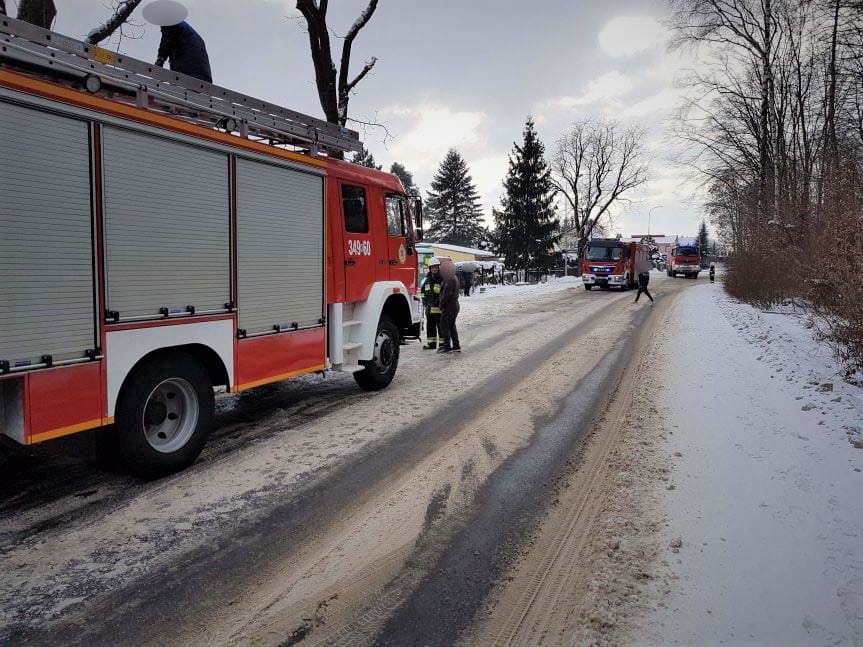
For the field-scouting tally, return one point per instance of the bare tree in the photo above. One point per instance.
(595, 165)
(37, 12)
(122, 11)
(334, 94)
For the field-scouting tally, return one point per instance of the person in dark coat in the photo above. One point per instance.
(466, 281)
(2, 7)
(712, 272)
(186, 50)
(431, 291)
(449, 308)
(643, 280)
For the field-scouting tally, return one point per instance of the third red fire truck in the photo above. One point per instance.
(161, 236)
(685, 258)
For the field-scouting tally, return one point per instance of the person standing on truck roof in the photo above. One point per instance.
(643, 280)
(181, 45)
(431, 291)
(449, 308)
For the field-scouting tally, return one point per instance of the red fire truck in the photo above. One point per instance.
(162, 236)
(685, 258)
(610, 262)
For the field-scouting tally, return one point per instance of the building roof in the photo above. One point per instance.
(459, 248)
(659, 240)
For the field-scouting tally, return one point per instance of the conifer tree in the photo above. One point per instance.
(453, 212)
(365, 158)
(406, 177)
(703, 239)
(526, 225)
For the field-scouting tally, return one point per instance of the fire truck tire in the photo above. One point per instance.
(164, 415)
(380, 371)
(588, 287)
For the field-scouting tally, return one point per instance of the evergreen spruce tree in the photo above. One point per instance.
(406, 177)
(527, 226)
(365, 158)
(703, 240)
(453, 211)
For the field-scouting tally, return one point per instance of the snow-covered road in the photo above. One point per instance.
(716, 502)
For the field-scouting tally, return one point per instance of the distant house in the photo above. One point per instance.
(456, 252)
(662, 242)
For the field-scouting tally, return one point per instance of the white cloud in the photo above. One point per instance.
(488, 174)
(434, 130)
(628, 35)
(664, 101)
(608, 87)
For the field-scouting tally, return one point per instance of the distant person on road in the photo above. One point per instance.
(431, 289)
(712, 272)
(449, 308)
(466, 280)
(643, 280)
(2, 7)
(181, 45)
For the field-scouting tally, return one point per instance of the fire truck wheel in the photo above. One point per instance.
(379, 372)
(164, 415)
(587, 287)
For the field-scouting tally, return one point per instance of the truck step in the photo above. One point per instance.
(351, 346)
(351, 324)
(350, 368)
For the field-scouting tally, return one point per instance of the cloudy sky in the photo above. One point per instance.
(462, 73)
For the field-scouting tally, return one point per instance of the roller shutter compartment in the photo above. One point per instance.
(280, 231)
(166, 225)
(46, 262)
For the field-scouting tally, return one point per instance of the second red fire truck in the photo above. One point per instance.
(611, 262)
(162, 236)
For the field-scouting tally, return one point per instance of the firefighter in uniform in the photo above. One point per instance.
(431, 300)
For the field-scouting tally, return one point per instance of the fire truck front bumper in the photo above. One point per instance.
(604, 279)
(687, 268)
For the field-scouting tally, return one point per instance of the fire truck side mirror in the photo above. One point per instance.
(418, 234)
(417, 208)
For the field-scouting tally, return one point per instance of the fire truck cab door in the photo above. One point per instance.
(358, 241)
(402, 256)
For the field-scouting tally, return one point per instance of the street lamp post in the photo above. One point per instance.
(649, 214)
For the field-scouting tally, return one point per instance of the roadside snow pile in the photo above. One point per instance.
(768, 465)
(526, 290)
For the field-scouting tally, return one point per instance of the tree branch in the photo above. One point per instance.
(121, 14)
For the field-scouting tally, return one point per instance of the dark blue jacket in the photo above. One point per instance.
(186, 50)
(643, 280)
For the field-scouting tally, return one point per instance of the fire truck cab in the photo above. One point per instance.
(153, 248)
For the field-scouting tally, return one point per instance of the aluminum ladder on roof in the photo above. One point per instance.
(29, 47)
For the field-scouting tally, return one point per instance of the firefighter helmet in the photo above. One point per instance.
(434, 261)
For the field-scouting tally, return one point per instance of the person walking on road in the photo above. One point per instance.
(449, 308)
(431, 289)
(712, 272)
(643, 280)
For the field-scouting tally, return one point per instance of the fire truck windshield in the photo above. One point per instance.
(604, 253)
(686, 251)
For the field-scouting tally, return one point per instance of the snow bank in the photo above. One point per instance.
(525, 290)
(764, 533)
